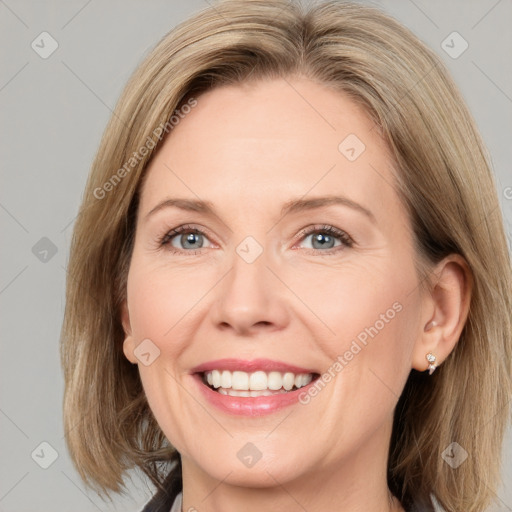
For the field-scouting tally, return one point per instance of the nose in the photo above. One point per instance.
(250, 299)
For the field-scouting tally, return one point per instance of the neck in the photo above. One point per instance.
(358, 484)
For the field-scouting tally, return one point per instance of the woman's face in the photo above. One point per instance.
(296, 261)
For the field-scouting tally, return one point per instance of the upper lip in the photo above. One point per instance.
(266, 365)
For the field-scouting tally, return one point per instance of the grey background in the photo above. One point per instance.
(54, 111)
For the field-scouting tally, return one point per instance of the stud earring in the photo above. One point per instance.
(431, 358)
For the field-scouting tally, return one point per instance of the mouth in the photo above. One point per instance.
(252, 387)
(254, 384)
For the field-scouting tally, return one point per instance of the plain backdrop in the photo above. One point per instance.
(54, 110)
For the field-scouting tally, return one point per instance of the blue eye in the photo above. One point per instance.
(325, 240)
(185, 238)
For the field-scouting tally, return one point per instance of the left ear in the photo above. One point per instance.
(129, 341)
(445, 311)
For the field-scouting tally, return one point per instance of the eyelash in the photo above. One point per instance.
(346, 240)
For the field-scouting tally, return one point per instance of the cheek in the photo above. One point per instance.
(160, 299)
(371, 311)
(158, 302)
(356, 296)
(377, 349)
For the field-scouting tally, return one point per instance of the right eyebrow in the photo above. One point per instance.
(191, 205)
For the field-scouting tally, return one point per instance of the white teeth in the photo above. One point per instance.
(302, 380)
(275, 380)
(240, 380)
(234, 392)
(258, 383)
(215, 378)
(225, 379)
(288, 381)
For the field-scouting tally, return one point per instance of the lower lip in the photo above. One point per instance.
(249, 406)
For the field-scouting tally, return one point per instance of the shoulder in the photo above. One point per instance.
(432, 506)
(170, 500)
(166, 498)
(163, 503)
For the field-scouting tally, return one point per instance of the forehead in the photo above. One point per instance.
(271, 141)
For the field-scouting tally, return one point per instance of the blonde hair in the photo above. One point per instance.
(443, 177)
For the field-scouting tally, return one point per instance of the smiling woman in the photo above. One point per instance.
(288, 302)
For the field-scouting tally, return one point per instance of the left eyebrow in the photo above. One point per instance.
(299, 205)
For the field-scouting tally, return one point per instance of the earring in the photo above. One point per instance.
(431, 358)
